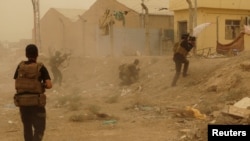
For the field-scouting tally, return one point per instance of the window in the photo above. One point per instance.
(247, 20)
(182, 25)
(232, 29)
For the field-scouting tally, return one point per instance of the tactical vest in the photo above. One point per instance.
(178, 49)
(27, 80)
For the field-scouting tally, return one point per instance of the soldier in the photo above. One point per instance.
(31, 80)
(55, 63)
(181, 51)
(129, 73)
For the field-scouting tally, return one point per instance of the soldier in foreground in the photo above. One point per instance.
(31, 80)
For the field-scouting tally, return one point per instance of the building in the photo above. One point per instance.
(61, 30)
(227, 18)
(133, 28)
(109, 27)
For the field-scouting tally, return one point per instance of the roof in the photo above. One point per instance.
(155, 7)
(72, 14)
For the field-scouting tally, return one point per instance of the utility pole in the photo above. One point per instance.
(147, 38)
(36, 11)
(142, 16)
(191, 15)
(195, 13)
(192, 19)
(195, 24)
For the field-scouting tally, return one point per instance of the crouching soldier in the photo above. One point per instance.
(129, 73)
(31, 80)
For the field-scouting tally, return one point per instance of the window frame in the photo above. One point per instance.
(232, 29)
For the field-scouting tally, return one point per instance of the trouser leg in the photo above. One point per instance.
(39, 126)
(177, 73)
(27, 126)
(33, 117)
(185, 69)
(27, 130)
(176, 77)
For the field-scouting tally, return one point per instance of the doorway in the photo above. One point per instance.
(182, 28)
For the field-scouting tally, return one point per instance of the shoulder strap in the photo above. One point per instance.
(39, 64)
(22, 62)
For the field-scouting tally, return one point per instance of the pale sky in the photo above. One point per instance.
(17, 15)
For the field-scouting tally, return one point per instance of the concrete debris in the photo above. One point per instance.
(239, 109)
(243, 103)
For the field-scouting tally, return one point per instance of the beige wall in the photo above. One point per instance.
(222, 4)
(160, 21)
(208, 37)
(63, 34)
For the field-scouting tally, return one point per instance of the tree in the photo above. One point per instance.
(36, 11)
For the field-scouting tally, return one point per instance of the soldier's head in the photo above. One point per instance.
(136, 62)
(185, 36)
(31, 51)
(192, 38)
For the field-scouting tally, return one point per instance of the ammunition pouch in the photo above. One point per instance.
(182, 51)
(30, 100)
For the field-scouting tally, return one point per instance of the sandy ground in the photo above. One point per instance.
(91, 105)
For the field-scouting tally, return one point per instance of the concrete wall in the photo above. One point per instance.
(129, 42)
(221, 4)
(214, 32)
